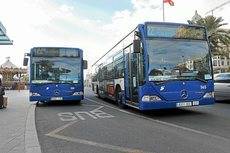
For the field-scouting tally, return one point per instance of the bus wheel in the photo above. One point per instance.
(119, 101)
(38, 104)
(117, 92)
(98, 94)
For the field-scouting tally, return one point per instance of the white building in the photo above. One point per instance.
(189, 64)
(88, 80)
(221, 63)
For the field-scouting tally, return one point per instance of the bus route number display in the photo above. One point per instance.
(160, 31)
(176, 31)
(56, 52)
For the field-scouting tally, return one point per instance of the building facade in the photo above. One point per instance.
(88, 80)
(221, 63)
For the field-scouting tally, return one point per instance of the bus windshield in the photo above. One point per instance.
(177, 59)
(56, 70)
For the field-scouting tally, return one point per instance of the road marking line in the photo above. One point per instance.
(96, 144)
(61, 128)
(91, 143)
(109, 106)
(90, 105)
(162, 122)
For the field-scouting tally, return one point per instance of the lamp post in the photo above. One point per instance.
(217, 7)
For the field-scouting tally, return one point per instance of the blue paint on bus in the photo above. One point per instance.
(172, 68)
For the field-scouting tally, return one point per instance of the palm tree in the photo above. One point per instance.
(219, 38)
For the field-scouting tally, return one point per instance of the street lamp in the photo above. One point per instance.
(217, 7)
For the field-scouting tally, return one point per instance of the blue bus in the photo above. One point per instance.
(56, 74)
(158, 65)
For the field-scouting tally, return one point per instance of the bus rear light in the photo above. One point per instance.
(34, 94)
(148, 98)
(78, 93)
(209, 95)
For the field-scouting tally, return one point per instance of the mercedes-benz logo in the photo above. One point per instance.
(184, 94)
(56, 92)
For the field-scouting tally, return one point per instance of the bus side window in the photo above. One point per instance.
(100, 75)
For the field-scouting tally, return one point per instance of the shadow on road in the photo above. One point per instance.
(59, 103)
(166, 113)
(223, 101)
(161, 113)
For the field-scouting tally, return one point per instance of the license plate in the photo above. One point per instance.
(195, 103)
(56, 98)
(184, 104)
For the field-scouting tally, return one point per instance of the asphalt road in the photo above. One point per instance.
(97, 126)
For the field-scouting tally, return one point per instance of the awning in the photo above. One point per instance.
(4, 39)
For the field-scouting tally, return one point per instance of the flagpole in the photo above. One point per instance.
(163, 10)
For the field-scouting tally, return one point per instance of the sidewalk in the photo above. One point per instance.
(14, 123)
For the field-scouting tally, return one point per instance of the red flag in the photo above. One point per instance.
(169, 1)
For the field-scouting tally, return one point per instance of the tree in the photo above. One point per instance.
(219, 38)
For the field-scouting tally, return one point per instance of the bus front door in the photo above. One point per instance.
(132, 78)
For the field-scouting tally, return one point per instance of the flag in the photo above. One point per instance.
(169, 1)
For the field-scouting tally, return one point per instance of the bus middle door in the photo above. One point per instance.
(131, 84)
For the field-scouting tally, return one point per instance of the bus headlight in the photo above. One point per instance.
(148, 98)
(34, 94)
(78, 93)
(209, 95)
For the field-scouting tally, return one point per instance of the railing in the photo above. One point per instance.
(12, 85)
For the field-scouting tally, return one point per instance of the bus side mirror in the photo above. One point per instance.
(25, 61)
(85, 64)
(209, 38)
(136, 46)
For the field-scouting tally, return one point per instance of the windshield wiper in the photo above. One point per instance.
(196, 78)
(42, 83)
(200, 79)
(163, 81)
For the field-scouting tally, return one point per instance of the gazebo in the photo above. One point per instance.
(11, 74)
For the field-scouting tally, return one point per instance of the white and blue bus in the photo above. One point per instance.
(56, 74)
(157, 65)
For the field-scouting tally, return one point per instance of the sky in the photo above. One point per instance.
(92, 25)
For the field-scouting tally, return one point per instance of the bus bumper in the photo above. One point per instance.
(48, 99)
(174, 104)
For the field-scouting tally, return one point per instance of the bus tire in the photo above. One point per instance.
(117, 92)
(96, 89)
(98, 94)
(38, 104)
(119, 99)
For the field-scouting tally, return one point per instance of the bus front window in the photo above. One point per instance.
(178, 59)
(55, 70)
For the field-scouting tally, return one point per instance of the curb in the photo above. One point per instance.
(31, 140)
